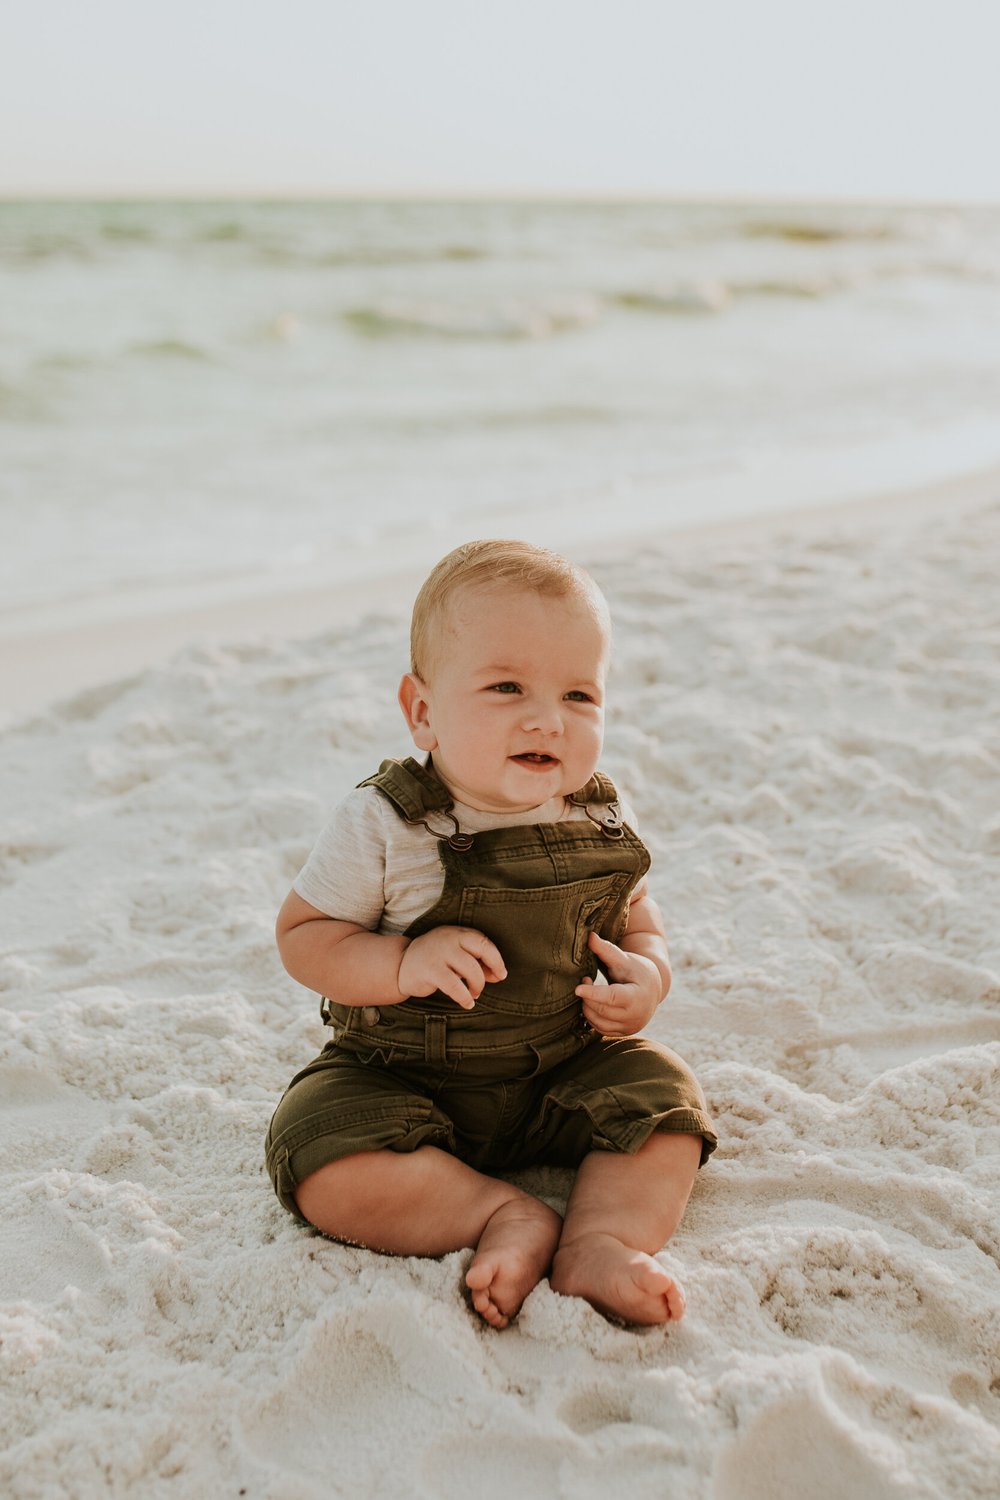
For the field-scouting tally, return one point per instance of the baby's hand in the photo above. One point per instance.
(458, 961)
(624, 1006)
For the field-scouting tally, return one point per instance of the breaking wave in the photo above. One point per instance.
(816, 232)
(392, 319)
(170, 349)
(683, 297)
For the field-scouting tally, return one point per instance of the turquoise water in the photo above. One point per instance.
(197, 399)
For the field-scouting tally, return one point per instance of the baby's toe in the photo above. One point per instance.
(480, 1281)
(651, 1278)
(479, 1275)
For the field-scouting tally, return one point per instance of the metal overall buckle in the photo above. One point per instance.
(457, 840)
(607, 816)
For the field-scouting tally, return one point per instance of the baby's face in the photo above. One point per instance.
(514, 710)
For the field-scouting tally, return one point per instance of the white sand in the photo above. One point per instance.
(807, 720)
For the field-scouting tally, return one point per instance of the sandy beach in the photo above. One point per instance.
(804, 715)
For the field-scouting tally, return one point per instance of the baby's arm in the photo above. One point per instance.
(638, 969)
(353, 966)
(645, 935)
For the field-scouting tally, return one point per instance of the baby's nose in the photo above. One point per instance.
(544, 718)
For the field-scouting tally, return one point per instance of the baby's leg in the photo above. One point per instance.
(621, 1211)
(426, 1202)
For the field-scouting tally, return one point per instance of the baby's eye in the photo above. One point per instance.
(505, 687)
(579, 696)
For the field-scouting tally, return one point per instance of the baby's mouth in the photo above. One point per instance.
(535, 758)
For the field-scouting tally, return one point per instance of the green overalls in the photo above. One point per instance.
(522, 1077)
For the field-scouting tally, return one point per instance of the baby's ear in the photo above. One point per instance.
(415, 703)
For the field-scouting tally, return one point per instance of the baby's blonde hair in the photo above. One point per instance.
(494, 564)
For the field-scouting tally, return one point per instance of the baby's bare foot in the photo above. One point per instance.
(513, 1254)
(618, 1281)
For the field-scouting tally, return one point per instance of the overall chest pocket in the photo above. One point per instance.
(542, 932)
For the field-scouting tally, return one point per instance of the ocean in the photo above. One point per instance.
(201, 401)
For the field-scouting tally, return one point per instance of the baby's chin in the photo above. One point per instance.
(541, 780)
(523, 792)
(528, 780)
(552, 776)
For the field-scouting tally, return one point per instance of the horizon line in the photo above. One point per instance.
(705, 196)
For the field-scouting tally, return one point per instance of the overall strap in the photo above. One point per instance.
(599, 788)
(600, 802)
(413, 790)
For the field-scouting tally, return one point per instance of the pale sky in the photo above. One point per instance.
(855, 98)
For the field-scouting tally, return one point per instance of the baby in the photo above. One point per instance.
(460, 914)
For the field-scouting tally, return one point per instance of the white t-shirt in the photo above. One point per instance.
(370, 867)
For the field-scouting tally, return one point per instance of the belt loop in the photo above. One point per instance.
(435, 1034)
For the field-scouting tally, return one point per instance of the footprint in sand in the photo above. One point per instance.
(44, 1119)
(840, 1063)
(881, 1300)
(803, 1444)
(91, 703)
(598, 1407)
(423, 1361)
(837, 1432)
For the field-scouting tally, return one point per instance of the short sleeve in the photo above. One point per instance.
(344, 875)
(628, 814)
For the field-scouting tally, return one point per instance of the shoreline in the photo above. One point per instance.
(41, 667)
